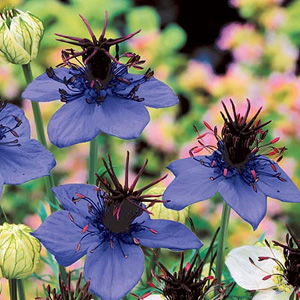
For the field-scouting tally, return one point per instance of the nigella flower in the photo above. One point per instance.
(18, 151)
(99, 95)
(108, 223)
(237, 168)
(271, 272)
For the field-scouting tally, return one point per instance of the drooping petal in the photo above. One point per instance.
(60, 236)
(191, 186)
(273, 187)
(26, 162)
(75, 122)
(273, 295)
(122, 118)
(246, 274)
(114, 271)
(8, 118)
(185, 164)
(65, 194)
(170, 234)
(156, 94)
(43, 88)
(248, 204)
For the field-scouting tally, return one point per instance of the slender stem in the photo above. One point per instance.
(3, 217)
(93, 160)
(21, 290)
(49, 180)
(222, 241)
(13, 289)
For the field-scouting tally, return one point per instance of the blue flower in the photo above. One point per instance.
(237, 168)
(108, 225)
(99, 95)
(18, 151)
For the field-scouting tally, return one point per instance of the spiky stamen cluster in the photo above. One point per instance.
(239, 148)
(120, 194)
(67, 292)
(95, 52)
(4, 129)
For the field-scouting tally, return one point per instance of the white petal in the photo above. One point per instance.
(246, 274)
(272, 295)
(155, 297)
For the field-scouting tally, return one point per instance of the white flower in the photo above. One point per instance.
(265, 275)
(155, 297)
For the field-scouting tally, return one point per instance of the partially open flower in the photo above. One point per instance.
(21, 33)
(19, 251)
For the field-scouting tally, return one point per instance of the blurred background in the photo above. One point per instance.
(226, 49)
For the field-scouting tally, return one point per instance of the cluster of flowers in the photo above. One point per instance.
(109, 222)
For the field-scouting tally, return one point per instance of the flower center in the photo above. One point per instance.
(239, 150)
(8, 124)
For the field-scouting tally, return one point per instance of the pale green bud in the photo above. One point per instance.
(161, 212)
(20, 36)
(19, 251)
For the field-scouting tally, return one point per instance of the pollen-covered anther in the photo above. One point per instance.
(153, 231)
(225, 172)
(85, 228)
(78, 247)
(267, 277)
(136, 241)
(80, 195)
(254, 175)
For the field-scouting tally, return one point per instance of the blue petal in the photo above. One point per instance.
(156, 94)
(7, 117)
(1, 184)
(112, 275)
(248, 204)
(273, 187)
(43, 88)
(122, 118)
(185, 164)
(140, 219)
(65, 194)
(191, 186)
(60, 236)
(26, 162)
(75, 122)
(171, 234)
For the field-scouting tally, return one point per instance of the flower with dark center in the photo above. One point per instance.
(99, 94)
(109, 224)
(238, 168)
(67, 291)
(188, 283)
(18, 151)
(273, 273)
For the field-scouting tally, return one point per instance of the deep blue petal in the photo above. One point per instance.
(273, 187)
(112, 275)
(191, 186)
(43, 88)
(75, 122)
(65, 194)
(185, 164)
(140, 219)
(26, 162)
(1, 184)
(7, 117)
(60, 236)
(248, 204)
(122, 118)
(155, 93)
(171, 234)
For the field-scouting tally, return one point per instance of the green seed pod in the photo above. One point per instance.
(20, 36)
(161, 212)
(19, 251)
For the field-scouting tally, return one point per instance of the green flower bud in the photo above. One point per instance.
(161, 212)
(19, 251)
(20, 36)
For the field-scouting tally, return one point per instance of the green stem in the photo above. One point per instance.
(21, 290)
(13, 289)
(3, 217)
(222, 241)
(49, 180)
(93, 160)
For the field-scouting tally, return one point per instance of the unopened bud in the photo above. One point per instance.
(19, 251)
(20, 36)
